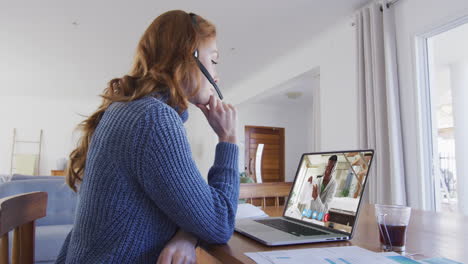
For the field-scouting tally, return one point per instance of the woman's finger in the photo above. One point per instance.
(226, 107)
(178, 258)
(164, 258)
(212, 103)
(233, 109)
(189, 260)
(219, 104)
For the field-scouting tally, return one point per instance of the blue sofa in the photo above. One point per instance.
(21, 177)
(51, 230)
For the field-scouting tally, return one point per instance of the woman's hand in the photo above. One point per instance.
(179, 250)
(222, 118)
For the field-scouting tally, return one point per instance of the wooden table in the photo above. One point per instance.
(429, 235)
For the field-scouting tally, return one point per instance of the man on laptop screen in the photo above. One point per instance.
(336, 182)
(323, 203)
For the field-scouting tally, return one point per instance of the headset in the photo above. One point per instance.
(200, 65)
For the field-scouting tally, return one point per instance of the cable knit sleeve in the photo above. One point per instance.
(170, 177)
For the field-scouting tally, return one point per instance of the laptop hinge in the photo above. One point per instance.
(316, 226)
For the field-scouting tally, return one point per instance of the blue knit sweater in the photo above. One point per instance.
(141, 184)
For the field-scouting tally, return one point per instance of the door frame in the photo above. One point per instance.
(428, 151)
(282, 152)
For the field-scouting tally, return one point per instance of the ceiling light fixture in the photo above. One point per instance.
(293, 95)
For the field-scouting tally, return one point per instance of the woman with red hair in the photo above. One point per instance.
(141, 197)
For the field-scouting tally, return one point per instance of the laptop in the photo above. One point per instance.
(323, 204)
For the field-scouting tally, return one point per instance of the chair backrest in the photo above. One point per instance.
(61, 202)
(265, 190)
(19, 213)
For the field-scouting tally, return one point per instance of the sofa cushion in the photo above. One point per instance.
(49, 241)
(21, 177)
(61, 201)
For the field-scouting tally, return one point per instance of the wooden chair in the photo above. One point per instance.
(18, 213)
(265, 190)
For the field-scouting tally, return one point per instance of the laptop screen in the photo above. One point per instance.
(328, 188)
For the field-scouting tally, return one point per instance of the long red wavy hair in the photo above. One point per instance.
(163, 63)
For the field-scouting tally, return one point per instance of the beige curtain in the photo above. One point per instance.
(378, 100)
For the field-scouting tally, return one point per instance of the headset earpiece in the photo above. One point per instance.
(200, 65)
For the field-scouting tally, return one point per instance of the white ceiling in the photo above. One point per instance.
(43, 53)
(305, 83)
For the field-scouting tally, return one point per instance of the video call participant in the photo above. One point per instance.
(325, 189)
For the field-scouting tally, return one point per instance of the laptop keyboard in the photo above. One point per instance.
(290, 227)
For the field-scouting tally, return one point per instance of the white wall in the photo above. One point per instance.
(202, 140)
(416, 17)
(57, 117)
(293, 119)
(334, 52)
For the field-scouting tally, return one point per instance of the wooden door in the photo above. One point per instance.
(272, 164)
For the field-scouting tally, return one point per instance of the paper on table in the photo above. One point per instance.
(388, 253)
(350, 254)
(248, 210)
(401, 259)
(439, 261)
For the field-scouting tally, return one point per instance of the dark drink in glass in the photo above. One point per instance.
(396, 236)
(392, 221)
